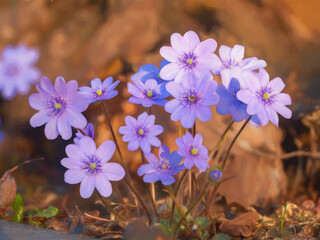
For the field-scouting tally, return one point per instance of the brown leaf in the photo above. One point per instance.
(8, 189)
(241, 226)
(138, 230)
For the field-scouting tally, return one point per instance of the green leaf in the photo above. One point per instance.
(18, 208)
(49, 212)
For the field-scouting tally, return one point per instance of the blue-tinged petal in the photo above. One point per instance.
(204, 113)
(238, 112)
(224, 53)
(40, 118)
(172, 105)
(162, 64)
(145, 146)
(276, 85)
(88, 144)
(151, 177)
(178, 43)
(74, 176)
(146, 168)
(96, 84)
(154, 141)
(64, 128)
(169, 54)
(188, 163)
(180, 112)
(142, 118)
(201, 164)
(74, 152)
(130, 121)
(75, 119)
(133, 145)
(103, 185)
(282, 110)
(72, 163)
(149, 68)
(61, 87)
(113, 171)
(151, 158)
(51, 130)
(105, 151)
(237, 53)
(206, 48)
(87, 186)
(166, 179)
(169, 71)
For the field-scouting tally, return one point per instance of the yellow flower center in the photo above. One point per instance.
(192, 98)
(99, 92)
(266, 96)
(164, 166)
(57, 106)
(194, 151)
(149, 93)
(92, 166)
(141, 132)
(189, 61)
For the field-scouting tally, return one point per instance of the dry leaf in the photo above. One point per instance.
(8, 190)
(241, 226)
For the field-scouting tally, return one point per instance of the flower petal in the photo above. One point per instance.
(113, 171)
(169, 71)
(74, 176)
(50, 129)
(106, 150)
(87, 186)
(103, 186)
(206, 48)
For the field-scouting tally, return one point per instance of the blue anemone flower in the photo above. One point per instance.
(163, 168)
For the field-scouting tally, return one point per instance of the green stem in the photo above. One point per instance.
(127, 178)
(110, 208)
(233, 141)
(283, 217)
(191, 207)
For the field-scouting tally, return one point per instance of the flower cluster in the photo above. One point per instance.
(183, 85)
(17, 70)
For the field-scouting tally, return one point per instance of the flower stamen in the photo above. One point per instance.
(99, 92)
(93, 166)
(194, 151)
(149, 93)
(141, 132)
(57, 106)
(266, 96)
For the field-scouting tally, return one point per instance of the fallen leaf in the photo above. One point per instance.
(241, 226)
(8, 189)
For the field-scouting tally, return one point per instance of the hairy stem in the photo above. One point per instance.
(233, 141)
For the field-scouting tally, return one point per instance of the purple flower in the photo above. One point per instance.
(150, 71)
(59, 106)
(163, 168)
(100, 91)
(192, 99)
(193, 151)
(229, 103)
(88, 131)
(147, 93)
(233, 57)
(17, 70)
(89, 165)
(188, 54)
(264, 98)
(141, 132)
(214, 174)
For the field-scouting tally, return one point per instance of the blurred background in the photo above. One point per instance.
(83, 39)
